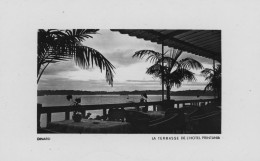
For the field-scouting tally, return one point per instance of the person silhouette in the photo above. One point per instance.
(144, 99)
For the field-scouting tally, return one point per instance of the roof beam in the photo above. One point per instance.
(174, 42)
(174, 33)
(182, 42)
(200, 38)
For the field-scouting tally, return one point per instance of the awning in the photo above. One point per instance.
(206, 43)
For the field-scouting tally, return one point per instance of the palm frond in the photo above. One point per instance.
(207, 71)
(169, 62)
(154, 70)
(189, 63)
(208, 87)
(218, 70)
(61, 45)
(184, 74)
(214, 79)
(152, 55)
(175, 54)
(172, 76)
(179, 75)
(85, 54)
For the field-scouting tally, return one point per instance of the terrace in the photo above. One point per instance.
(189, 116)
(136, 121)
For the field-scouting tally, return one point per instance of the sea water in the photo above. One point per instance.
(60, 100)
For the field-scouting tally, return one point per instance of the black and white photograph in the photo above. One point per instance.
(122, 80)
(129, 81)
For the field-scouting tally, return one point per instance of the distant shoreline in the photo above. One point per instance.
(148, 92)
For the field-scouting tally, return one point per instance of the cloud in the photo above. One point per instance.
(57, 83)
(195, 84)
(122, 57)
(143, 81)
(107, 41)
(119, 48)
(116, 47)
(64, 66)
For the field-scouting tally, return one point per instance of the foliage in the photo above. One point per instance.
(62, 45)
(174, 71)
(214, 79)
(76, 103)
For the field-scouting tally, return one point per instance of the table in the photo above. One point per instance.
(90, 126)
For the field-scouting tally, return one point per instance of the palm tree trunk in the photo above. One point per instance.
(168, 92)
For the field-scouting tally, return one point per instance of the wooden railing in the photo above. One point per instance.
(159, 105)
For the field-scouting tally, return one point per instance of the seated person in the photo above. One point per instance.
(144, 99)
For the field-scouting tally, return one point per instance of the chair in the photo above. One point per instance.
(139, 120)
(116, 114)
(207, 123)
(167, 124)
(189, 110)
(171, 122)
(133, 115)
(145, 109)
(175, 120)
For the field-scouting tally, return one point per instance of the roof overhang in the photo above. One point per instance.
(205, 43)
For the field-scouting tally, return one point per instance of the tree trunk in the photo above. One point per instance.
(168, 92)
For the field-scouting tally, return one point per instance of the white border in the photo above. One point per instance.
(239, 22)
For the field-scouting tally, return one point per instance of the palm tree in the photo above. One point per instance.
(213, 76)
(61, 45)
(175, 71)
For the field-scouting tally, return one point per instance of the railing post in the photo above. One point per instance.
(154, 108)
(104, 111)
(48, 117)
(178, 105)
(83, 113)
(67, 115)
(39, 106)
(137, 108)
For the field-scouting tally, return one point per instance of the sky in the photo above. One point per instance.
(129, 73)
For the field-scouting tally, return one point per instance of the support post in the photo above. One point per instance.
(83, 113)
(104, 111)
(214, 65)
(214, 74)
(67, 115)
(154, 107)
(39, 106)
(48, 117)
(162, 73)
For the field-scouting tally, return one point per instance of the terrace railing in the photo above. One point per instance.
(157, 106)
